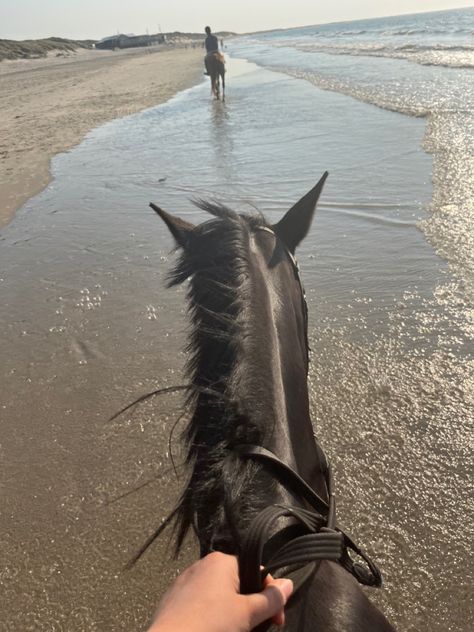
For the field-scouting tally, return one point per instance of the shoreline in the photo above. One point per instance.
(49, 105)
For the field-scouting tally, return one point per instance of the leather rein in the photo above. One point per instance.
(319, 537)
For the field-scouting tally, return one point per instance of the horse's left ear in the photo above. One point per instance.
(295, 224)
(182, 231)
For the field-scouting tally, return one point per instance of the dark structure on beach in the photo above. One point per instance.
(130, 41)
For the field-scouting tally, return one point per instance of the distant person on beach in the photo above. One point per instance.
(206, 597)
(212, 46)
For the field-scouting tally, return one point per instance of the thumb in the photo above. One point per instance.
(269, 602)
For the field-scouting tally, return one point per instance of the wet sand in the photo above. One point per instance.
(49, 105)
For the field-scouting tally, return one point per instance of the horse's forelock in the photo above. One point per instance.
(216, 209)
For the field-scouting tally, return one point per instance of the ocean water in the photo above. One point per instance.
(442, 38)
(87, 325)
(420, 65)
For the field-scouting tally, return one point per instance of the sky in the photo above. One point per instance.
(94, 19)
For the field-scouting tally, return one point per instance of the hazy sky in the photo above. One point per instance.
(23, 19)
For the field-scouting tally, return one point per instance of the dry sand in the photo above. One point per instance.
(47, 106)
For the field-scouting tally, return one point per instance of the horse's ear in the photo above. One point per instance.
(295, 224)
(181, 230)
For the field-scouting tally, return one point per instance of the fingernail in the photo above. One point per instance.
(286, 587)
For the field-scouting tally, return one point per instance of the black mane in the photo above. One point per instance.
(216, 263)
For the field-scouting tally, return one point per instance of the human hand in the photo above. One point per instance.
(206, 598)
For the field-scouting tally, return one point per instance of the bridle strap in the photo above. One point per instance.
(285, 474)
(318, 536)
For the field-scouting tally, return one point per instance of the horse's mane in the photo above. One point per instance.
(216, 264)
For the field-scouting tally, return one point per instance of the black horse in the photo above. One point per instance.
(259, 485)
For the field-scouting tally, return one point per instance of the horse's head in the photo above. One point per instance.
(248, 362)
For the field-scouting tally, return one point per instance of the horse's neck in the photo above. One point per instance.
(273, 367)
(259, 367)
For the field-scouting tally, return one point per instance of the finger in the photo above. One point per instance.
(279, 617)
(270, 601)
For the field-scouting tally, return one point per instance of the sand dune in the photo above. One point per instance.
(34, 49)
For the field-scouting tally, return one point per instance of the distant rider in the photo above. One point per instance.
(212, 46)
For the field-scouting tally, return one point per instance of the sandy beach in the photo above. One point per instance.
(49, 105)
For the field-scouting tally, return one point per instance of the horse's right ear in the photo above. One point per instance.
(182, 231)
(294, 226)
